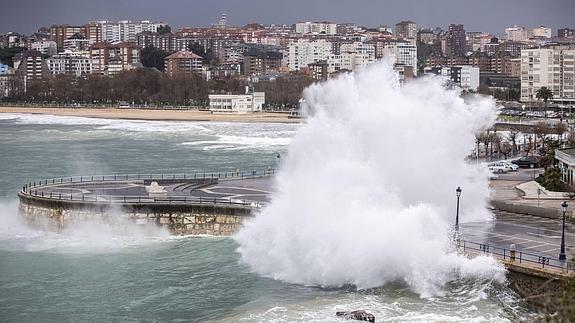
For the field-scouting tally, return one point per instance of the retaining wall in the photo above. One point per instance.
(179, 218)
(530, 210)
(539, 287)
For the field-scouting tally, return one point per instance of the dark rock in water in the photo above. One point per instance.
(356, 315)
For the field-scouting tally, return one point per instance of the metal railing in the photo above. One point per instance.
(521, 257)
(141, 199)
(40, 188)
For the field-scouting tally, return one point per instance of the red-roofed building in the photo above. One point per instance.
(185, 62)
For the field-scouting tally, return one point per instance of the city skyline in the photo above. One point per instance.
(491, 16)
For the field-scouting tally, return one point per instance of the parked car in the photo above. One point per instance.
(527, 161)
(510, 165)
(498, 167)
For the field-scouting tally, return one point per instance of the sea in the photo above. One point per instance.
(104, 273)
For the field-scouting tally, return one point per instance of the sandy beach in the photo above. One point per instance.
(146, 114)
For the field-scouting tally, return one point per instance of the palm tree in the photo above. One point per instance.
(544, 93)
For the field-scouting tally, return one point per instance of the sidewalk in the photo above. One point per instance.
(521, 197)
(534, 190)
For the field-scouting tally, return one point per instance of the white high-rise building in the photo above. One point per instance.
(404, 53)
(552, 67)
(464, 76)
(125, 30)
(47, 47)
(542, 32)
(358, 47)
(71, 63)
(327, 28)
(516, 33)
(349, 61)
(302, 52)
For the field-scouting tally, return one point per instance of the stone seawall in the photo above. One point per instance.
(539, 287)
(179, 218)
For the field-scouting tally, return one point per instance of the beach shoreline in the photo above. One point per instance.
(156, 114)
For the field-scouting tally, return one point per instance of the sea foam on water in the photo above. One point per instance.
(366, 192)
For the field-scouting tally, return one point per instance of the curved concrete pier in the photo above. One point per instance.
(214, 204)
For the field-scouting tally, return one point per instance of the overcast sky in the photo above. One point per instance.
(25, 16)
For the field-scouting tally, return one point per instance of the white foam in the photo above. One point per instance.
(366, 194)
(468, 305)
(228, 142)
(89, 236)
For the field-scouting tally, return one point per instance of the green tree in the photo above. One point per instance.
(544, 93)
(7, 54)
(514, 94)
(551, 180)
(197, 49)
(153, 57)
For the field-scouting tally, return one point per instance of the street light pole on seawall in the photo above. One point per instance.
(458, 193)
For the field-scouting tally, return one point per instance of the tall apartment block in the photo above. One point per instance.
(552, 67)
(406, 29)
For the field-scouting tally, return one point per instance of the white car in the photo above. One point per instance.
(498, 167)
(510, 165)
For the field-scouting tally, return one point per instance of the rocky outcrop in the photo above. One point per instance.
(360, 315)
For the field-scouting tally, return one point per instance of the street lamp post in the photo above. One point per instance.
(458, 193)
(562, 255)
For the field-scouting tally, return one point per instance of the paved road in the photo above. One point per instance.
(522, 174)
(528, 233)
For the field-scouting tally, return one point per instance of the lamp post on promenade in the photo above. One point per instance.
(458, 193)
(562, 255)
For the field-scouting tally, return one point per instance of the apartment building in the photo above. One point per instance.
(233, 54)
(463, 76)
(426, 36)
(46, 47)
(349, 61)
(260, 61)
(455, 41)
(76, 45)
(165, 42)
(125, 30)
(517, 33)
(60, 33)
(319, 70)
(358, 47)
(404, 53)
(566, 33)
(302, 52)
(406, 29)
(552, 67)
(30, 67)
(318, 28)
(541, 32)
(183, 62)
(71, 63)
(110, 59)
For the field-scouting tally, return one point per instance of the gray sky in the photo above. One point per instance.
(25, 16)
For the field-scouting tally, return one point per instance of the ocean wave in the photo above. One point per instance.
(228, 142)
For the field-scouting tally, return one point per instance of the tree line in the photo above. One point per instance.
(150, 86)
(542, 139)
